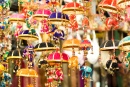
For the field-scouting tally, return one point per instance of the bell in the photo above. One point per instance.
(45, 37)
(108, 5)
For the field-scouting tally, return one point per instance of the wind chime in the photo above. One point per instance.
(110, 45)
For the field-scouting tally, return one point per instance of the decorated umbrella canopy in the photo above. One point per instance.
(27, 73)
(109, 45)
(71, 44)
(17, 17)
(15, 54)
(123, 3)
(58, 18)
(44, 46)
(28, 35)
(72, 8)
(85, 45)
(58, 57)
(124, 44)
(41, 13)
(108, 5)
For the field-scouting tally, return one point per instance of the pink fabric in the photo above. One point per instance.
(45, 12)
(57, 56)
(17, 15)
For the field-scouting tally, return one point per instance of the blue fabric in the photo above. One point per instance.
(86, 71)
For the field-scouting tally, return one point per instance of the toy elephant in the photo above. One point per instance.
(86, 71)
(6, 78)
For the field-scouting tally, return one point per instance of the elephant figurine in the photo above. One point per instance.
(73, 62)
(86, 72)
(6, 78)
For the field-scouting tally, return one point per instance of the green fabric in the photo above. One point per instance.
(119, 80)
(118, 77)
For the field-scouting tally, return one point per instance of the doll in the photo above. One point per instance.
(73, 22)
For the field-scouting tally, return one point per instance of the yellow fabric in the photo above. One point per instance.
(30, 85)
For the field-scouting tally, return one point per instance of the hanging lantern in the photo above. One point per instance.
(109, 45)
(124, 44)
(44, 46)
(15, 56)
(28, 35)
(108, 5)
(72, 8)
(41, 13)
(58, 18)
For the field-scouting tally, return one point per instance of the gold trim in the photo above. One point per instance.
(28, 37)
(71, 46)
(121, 2)
(27, 73)
(72, 10)
(124, 48)
(16, 19)
(45, 49)
(108, 48)
(124, 43)
(108, 7)
(41, 15)
(14, 57)
(56, 61)
(58, 21)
